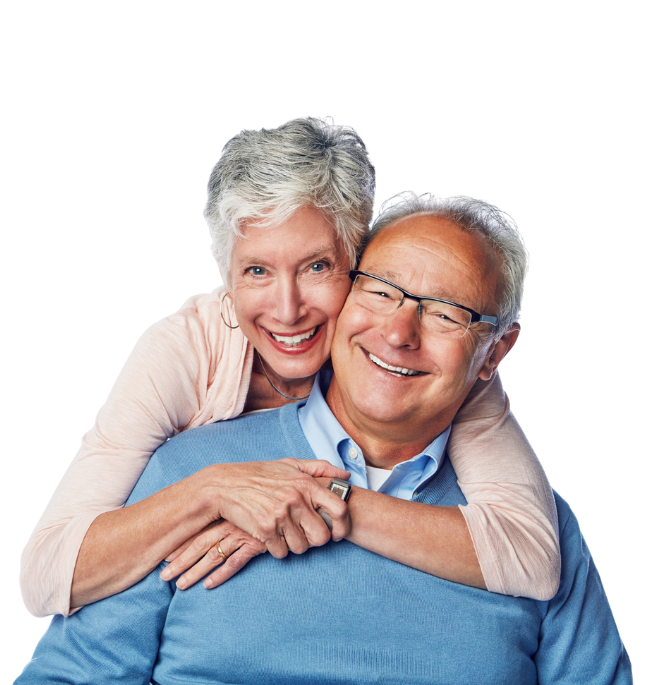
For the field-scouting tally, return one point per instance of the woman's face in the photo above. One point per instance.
(289, 283)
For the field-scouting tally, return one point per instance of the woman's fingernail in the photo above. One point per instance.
(207, 582)
(181, 582)
(166, 574)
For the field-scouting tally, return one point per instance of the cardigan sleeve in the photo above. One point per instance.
(186, 370)
(510, 513)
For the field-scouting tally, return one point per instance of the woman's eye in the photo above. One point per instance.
(318, 267)
(256, 271)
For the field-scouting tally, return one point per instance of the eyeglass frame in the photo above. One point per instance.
(475, 317)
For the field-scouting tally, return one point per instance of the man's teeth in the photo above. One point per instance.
(395, 369)
(293, 340)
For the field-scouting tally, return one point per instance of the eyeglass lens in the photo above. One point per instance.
(383, 298)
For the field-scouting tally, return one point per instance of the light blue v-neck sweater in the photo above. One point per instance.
(336, 614)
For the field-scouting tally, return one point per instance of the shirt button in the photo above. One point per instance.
(352, 453)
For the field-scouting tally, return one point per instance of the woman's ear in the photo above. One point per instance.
(499, 350)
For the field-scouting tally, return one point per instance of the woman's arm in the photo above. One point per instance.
(505, 540)
(430, 538)
(134, 421)
(511, 514)
(164, 388)
(275, 501)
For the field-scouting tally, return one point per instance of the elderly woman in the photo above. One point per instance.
(288, 210)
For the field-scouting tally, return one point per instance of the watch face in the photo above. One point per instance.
(340, 488)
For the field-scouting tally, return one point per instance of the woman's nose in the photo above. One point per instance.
(290, 305)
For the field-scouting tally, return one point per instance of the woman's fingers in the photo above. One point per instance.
(236, 561)
(202, 555)
(196, 547)
(209, 561)
(182, 548)
(317, 468)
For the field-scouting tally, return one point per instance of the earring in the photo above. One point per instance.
(221, 313)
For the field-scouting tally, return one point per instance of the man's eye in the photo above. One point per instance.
(256, 271)
(377, 293)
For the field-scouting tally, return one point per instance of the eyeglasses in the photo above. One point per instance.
(438, 316)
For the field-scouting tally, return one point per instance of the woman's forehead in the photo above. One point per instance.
(306, 234)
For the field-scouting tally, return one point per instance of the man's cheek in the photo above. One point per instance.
(353, 321)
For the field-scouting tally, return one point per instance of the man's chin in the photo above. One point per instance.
(384, 411)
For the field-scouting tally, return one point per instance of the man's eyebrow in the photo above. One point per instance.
(394, 278)
(387, 275)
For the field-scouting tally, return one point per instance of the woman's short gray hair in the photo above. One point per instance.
(265, 176)
(471, 215)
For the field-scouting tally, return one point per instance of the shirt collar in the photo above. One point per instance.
(330, 441)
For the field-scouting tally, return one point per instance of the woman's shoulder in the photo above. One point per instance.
(194, 336)
(204, 301)
(198, 319)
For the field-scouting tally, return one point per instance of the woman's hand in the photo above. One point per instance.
(277, 502)
(201, 550)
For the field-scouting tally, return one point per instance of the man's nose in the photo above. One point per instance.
(290, 304)
(402, 328)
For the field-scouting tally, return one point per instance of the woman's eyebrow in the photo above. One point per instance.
(262, 261)
(320, 252)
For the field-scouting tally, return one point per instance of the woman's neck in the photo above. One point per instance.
(261, 393)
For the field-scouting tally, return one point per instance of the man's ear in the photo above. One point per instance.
(498, 351)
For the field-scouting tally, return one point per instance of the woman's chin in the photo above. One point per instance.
(295, 369)
(295, 365)
(294, 361)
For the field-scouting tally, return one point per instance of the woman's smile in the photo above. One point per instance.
(295, 342)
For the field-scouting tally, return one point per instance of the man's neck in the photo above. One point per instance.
(384, 444)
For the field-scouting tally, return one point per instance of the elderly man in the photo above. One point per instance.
(428, 314)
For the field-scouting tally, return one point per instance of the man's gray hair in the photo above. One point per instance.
(471, 215)
(265, 176)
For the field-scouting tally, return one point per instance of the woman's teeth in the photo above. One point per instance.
(294, 340)
(394, 369)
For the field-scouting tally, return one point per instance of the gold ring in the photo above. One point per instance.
(218, 547)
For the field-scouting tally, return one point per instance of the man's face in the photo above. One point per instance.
(427, 256)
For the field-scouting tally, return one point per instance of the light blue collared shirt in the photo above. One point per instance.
(330, 441)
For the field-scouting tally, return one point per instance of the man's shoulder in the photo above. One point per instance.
(258, 436)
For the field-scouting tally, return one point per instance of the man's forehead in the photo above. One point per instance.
(434, 254)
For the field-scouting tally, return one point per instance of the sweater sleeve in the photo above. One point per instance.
(578, 640)
(184, 371)
(510, 513)
(115, 640)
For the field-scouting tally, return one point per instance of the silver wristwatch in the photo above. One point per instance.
(342, 489)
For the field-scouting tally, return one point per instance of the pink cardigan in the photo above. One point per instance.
(189, 369)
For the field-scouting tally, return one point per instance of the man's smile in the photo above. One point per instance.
(393, 370)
